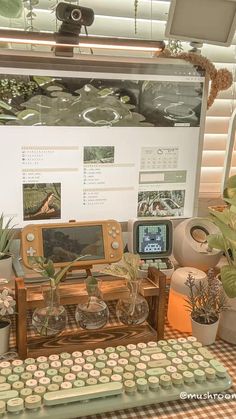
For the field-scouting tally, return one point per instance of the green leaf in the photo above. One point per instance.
(61, 273)
(216, 241)
(5, 105)
(228, 279)
(41, 81)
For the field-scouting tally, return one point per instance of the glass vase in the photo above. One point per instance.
(133, 309)
(93, 313)
(51, 319)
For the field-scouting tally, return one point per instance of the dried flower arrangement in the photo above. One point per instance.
(221, 79)
(7, 304)
(206, 300)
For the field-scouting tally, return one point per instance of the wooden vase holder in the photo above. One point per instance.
(153, 288)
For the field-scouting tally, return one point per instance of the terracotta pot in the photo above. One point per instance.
(205, 333)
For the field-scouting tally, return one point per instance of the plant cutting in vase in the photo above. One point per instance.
(133, 309)
(7, 307)
(205, 302)
(51, 319)
(94, 313)
(6, 237)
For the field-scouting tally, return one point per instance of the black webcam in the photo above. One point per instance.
(73, 17)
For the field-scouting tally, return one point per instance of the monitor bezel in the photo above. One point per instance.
(169, 238)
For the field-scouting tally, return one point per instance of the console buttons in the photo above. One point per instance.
(115, 245)
(30, 237)
(31, 251)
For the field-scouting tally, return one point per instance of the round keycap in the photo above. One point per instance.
(182, 367)
(63, 371)
(177, 379)
(65, 355)
(182, 353)
(57, 379)
(188, 377)
(67, 363)
(177, 348)
(29, 361)
(128, 376)
(6, 372)
(197, 344)
(18, 385)
(145, 358)
(91, 381)
(31, 383)
(111, 363)
(103, 379)
(87, 352)
(33, 402)
(129, 368)
(187, 346)
(210, 374)
(53, 387)
(131, 347)
(142, 384)
(70, 377)
(102, 358)
(107, 372)
(182, 340)
(15, 405)
(44, 381)
(17, 363)
(3, 379)
(44, 366)
(51, 372)
(76, 368)
(133, 360)
(40, 390)
(176, 361)
(192, 366)
(5, 364)
(153, 383)
(41, 359)
(53, 357)
(56, 364)
(83, 375)
(78, 383)
(116, 378)
(187, 359)
(26, 376)
(77, 354)
(39, 374)
(161, 342)
(141, 345)
(198, 358)
(192, 352)
(191, 338)
(99, 351)
(25, 392)
(94, 373)
(13, 378)
(124, 354)
(130, 386)
(165, 380)
(199, 375)
(204, 364)
(171, 341)
(66, 385)
(91, 359)
(171, 369)
(118, 370)
(139, 374)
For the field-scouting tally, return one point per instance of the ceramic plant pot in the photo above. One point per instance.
(5, 325)
(6, 268)
(227, 326)
(205, 333)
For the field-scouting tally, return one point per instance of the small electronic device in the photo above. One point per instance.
(152, 240)
(105, 380)
(190, 246)
(99, 241)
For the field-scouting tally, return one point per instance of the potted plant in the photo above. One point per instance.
(51, 319)
(6, 237)
(133, 309)
(225, 219)
(205, 302)
(7, 307)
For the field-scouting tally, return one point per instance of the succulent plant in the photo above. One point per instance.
(226, 222)
(6, 237)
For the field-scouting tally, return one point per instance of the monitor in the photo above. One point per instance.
(150, 238)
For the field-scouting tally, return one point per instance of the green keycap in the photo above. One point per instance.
(124, 354)
(118, 370)
(13, 378)
(187, 346)
(63, 371)
(142, 384)
(109, 350)
(206, 353)
(165, 380)
(100, 365)
(82, 375)
(65, 355)
(192, 352)
(188, 377)
(129, 368)
(52, 387)
(134, 360)
(161, 343)
(150, 351)
(120, 348)
(177, 347)
(220, 369)
(166, 348)
(29, 361)
(171, 355)
(91, 359)
(7, 395)
(5, 387)
(199, 375)
(204, 364)
(26, 376)
(18, 370)
(172, 341)
(57, 379)
(51, 372)
(103, 379)
(197, 344)
(155, 372)
(78, 383)
(187, 359)
(6, 372)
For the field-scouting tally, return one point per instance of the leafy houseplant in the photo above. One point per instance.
(51, 319)
(205, 302)
(133, 309)
(226, 241)
(7, 307)
(6, 237)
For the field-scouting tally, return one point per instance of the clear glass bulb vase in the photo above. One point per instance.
(51, 319)
(133, 309)
(93, 313)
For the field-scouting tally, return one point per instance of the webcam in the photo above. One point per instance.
(73, 17)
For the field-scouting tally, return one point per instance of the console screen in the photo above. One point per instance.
(152, 238)
(65, 244)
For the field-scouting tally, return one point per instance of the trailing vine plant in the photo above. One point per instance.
(221, 79)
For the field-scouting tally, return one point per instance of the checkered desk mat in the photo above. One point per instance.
(181, 409)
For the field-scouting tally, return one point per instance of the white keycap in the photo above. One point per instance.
(122, 362)
(171, 369)
(157, 357)
(41, 359)
(135, 352)
(88, 352)
(141, 345)
(117, 378)
(33, 402)
(76, 368)
(67, 363)
(31, 368)
(66, 385)
(79, 361)
(31, 383)
(53, 387)
(87, 367)
(5, 364)
(142, 384)
(113, 355)
(111, 363)
(39, 374)
(70, 377)
(44, 381)
(76, 354)
(99, 351)
(145, 358)
(153, 383)
(15, 405)
(17, 363)
(131, 347)
(141, 366)
(65, 355)
(130, 386)
(152, 344)
(53, 357)
(56, 364)
(94, 373)
(44, 366)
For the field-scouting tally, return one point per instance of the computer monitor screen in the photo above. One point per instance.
(152, 238)
(65, 244)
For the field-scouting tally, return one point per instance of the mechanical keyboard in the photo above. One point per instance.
(104, 380)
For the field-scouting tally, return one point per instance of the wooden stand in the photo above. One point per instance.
(153, 289)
